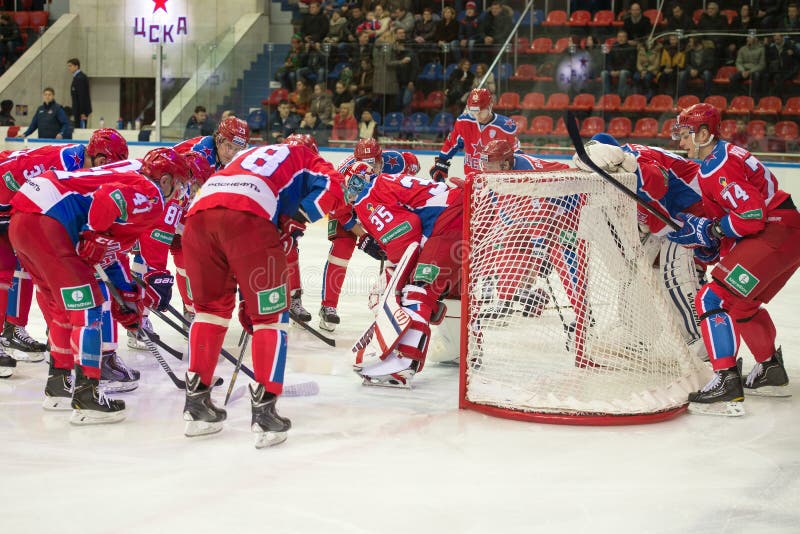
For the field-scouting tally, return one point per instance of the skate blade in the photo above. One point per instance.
(92, 417)
(5, 372)
(269, 439)
(451, 363)
(383, 383)
(328, 327)
(29, 357)
(194, 429)
(57, 404)
(118, 387)
(770, 391)
(725, 409)
(136, 346)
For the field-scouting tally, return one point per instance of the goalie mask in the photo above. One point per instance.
(497, 155)
(356, 179)
(369, 151)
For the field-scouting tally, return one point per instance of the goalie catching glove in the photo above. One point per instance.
(608, 157)
(159, 289)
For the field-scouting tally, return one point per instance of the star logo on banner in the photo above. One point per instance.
(719, 320)
(160, 4)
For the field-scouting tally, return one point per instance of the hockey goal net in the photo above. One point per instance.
(562, 318)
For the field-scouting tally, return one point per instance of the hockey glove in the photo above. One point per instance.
(93, 247)
(370, 245)
(292, 227)
(439, 170)
(696, 232)
(244, 318)
(159, 289)
(707, 255)
(129, 315)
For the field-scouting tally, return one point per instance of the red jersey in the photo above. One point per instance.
(18, 165)
(468, 134)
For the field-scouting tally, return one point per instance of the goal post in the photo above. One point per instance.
(563, 318)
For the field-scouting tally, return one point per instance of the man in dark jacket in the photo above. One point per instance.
(494, 29)
(81, 101)
(315, 24)
(700, 62)
(637, 25)
(9, 41)
(621, 63)
(50, 119)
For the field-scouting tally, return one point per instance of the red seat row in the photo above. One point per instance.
(30, 19)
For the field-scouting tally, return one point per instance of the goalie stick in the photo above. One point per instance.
(575, 136)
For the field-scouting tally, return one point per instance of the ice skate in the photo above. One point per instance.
(533, 302)
(394, 371)
(24, 347)
(769, 378)
(7, 364)
(90, 406)
(723, 395)
(115, 376)
(270, 428)
(328, 318)
(199, 412)
(296, 309)
(58, 390)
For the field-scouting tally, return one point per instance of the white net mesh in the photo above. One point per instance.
(563, 314)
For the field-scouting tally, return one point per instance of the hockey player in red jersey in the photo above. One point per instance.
(105, 146)
(87, 217)
(472, 131)
(402, 211)
(232, 136)
(754, 226)
(232, 239)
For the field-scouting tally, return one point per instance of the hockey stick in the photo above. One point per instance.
(575, 136)
(151, 347)
(243, 344)
(157, 340)
(325, 339)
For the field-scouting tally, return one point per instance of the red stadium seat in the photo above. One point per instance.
(418, 100)
(768, 105)
(645, 127)
(620, 127)
(522, 123)
(532, 102)
(38, 19)
(22, 18)
(723, 76)
(696, 15)
(634, 104)
(686, 101)
(507, 102)
(787, 130)
(579, 18)
(544, 73)
(561, 45)
(13, 131)
(740, 105)
(602, 18)
(557, 102)
(435, 100)
(666, 129)
(524, 73)
(730, 13)
(592, 125)
(582, 102)
(792, 107)
(541, 45)
(618, 22)
(276, 96)
(757, 129)
(660, 104)
(608, 102)
(718, 101)
(523, 44)
(561, 128)
(727, 129)
(556, 17)
(541, 125)
(655, 16)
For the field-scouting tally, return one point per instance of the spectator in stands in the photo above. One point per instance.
(321, 104)
(480, 72)
(751, 64)
(422, 36)
(198, 124)
(673, 60)
(791, 22)
(300, 98)
(596, 58)
(385, 62)
(79, 89)
(637, 25)
(6, 119)
(355, 18)
(459, 83)
(740, 137)
(403, 19)
(620, 64)
(407, 70)
(345, 125)
(362, 84)
(10, 39)
(341, 94)
(315, 24)
(494, 29)
(700, 63)
(50, 119)
(370, 26)
(311, 124)
(712, 21)
(367, 127)
(678, 19)
(361, 50)
(468, 28)
(383, 19)
(337, 31)
(769, 13)
(287, 74)
(447, 30)
(283, 122)
(782, 63)
(314, 63)
(648, 67)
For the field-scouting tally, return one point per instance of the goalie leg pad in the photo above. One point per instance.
(680, 284)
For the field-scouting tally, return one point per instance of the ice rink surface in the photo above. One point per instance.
(363, 460)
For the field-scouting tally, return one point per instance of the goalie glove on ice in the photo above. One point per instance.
(608, 157)
(696, 232)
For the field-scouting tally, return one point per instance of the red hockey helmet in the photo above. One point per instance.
(479, 99)
(495, 153)
(356, 178)
(199, 168)
(161, 161)
(696, 116)
(302, 140)
(109, 143)
(234, 130)
(412, 163)
(369, 151)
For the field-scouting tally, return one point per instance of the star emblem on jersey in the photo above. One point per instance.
(392, 161)
(77, 161)
(477, 147)
(160, 4)
(510, 122)
(206, 152)
(719, 320)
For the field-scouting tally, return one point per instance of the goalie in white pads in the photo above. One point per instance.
(418, 222)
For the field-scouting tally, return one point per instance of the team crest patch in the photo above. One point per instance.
(396, 232)
(119, 199)
(332, 227)
(162, 236)
(567, 237)
(741, 280)
(10, 182)
(425, 272)
(272, 300)
(78, 297)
